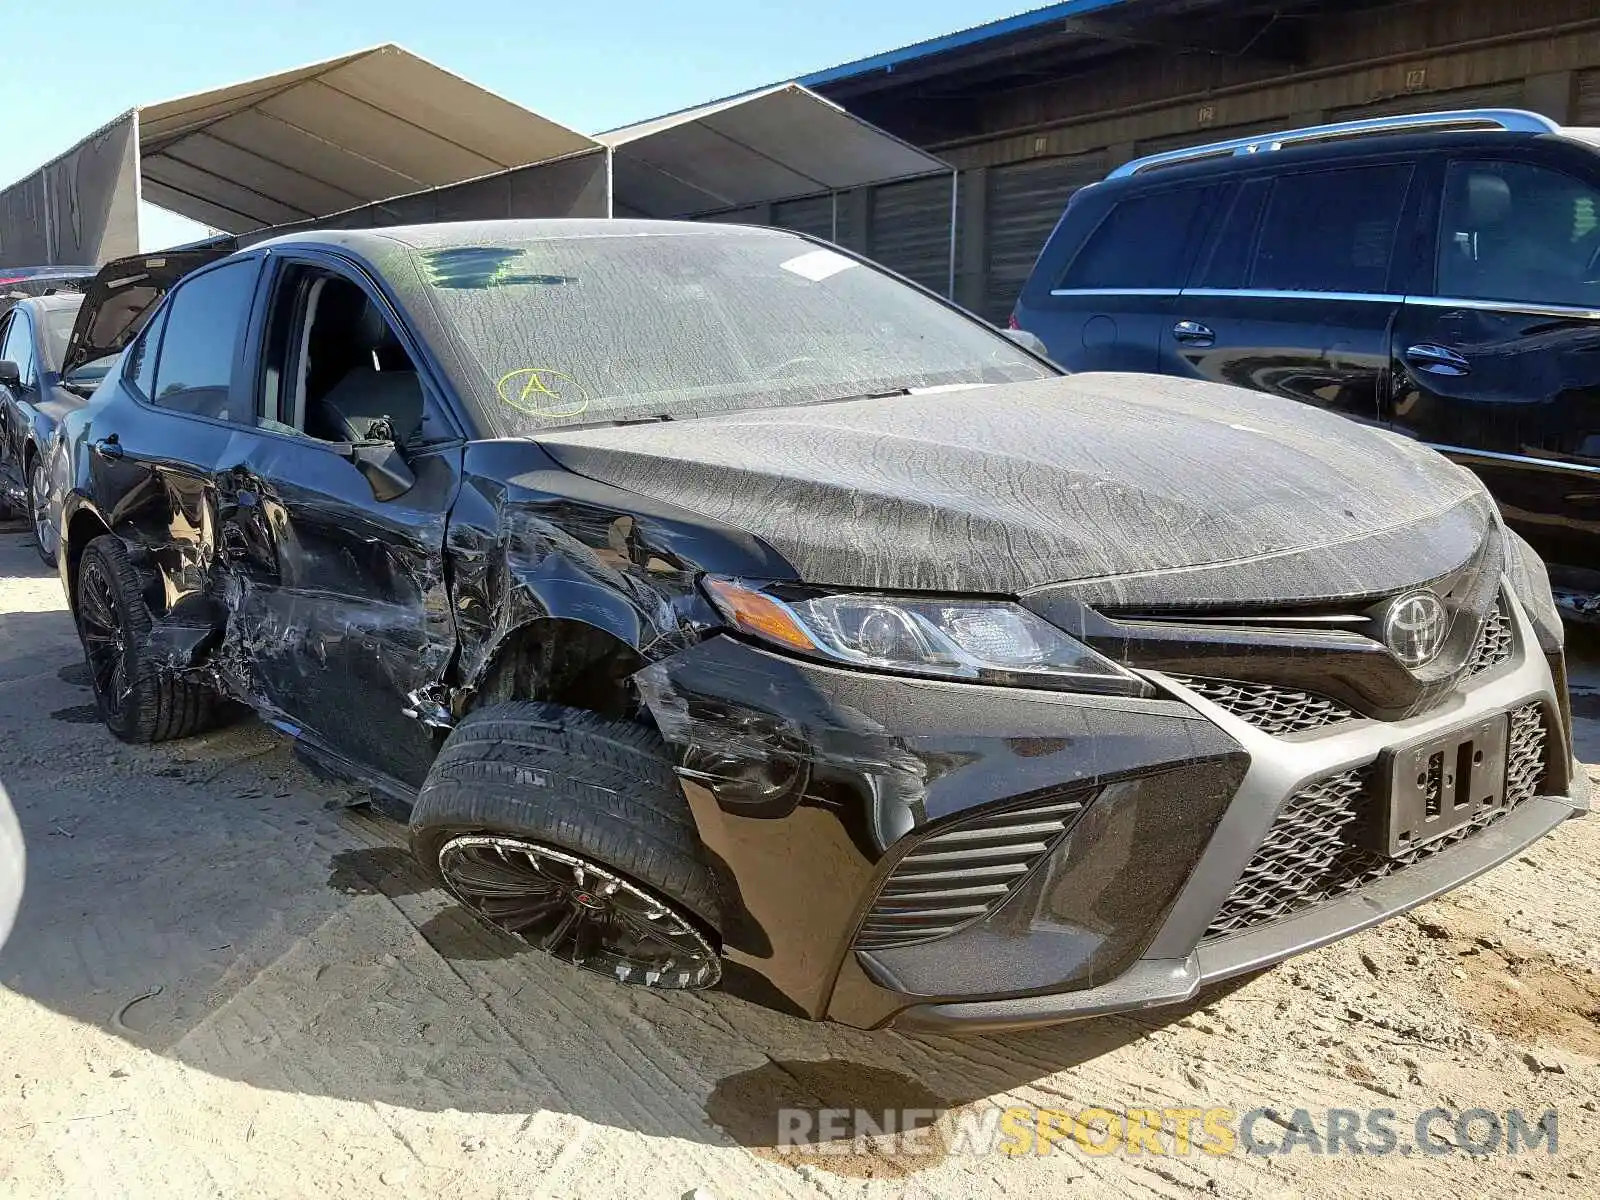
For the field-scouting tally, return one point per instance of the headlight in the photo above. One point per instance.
(989, 641)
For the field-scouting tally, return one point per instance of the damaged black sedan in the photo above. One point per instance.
(721, 610)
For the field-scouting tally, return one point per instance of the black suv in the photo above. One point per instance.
(718, 608)
(1437, 275)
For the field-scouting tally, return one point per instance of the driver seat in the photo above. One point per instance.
(381, 385)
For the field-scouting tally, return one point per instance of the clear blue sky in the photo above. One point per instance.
(73, 67)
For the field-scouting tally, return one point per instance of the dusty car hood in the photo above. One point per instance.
(1084, 478)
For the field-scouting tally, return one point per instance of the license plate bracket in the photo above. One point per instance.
(1439, 785)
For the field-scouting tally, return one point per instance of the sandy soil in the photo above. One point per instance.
(227, 981)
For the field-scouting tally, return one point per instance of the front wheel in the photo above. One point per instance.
(139, 700)
(568, 831)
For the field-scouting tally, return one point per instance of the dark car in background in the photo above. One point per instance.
(721, 610)
(18, 283)
(35, 394)
(1436, 275)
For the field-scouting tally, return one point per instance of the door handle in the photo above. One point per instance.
(1437, 360)
(1192, 333)
(108, 447)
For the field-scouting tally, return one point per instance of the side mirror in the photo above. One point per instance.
(384, 467)
(10, 374)
(1028, 341)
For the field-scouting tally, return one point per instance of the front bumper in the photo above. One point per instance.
(1172, 799)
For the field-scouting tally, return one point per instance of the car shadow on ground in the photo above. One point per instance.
(211, 901)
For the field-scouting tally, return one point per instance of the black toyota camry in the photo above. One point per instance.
(723, 611)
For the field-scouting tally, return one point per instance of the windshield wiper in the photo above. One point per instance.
(655, 419)
(883, 395)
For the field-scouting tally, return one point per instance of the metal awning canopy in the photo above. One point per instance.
(776, 144)
(330, 136)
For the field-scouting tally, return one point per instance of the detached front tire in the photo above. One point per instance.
(568, 830)
(139, 700)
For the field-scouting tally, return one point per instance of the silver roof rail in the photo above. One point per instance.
(1512, 120)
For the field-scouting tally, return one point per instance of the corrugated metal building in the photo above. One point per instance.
(1031, 108)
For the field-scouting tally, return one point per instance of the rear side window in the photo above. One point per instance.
(194, 367)
(141, 367)
(1331, 231)
(1145, 241)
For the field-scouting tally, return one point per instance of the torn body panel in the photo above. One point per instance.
(337, 606)
(530, 543)
(270, 571)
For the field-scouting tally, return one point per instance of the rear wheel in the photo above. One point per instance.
(139, 700)
(45, 537)
(568, 830)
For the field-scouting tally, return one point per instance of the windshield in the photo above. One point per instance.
(588, 329)
(57, 329)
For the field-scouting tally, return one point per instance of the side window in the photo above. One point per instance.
(141, 365)
(1331, 231)
(1145, 241)
(1519, 232)
(194, 367)
(1228, 265)
(18, 346)
(335, 369)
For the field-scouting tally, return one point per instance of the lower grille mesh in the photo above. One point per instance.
(964, 872)
(1313, 852)
(1494, 642)
(1275, 710)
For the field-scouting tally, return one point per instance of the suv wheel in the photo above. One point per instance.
(139, 701)
(568, 830)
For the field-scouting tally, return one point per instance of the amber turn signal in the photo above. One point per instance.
(759, 614)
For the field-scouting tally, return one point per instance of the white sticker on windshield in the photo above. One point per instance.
(818, 265)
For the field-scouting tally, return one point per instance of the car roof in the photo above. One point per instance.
(1230, 165)
(56, 300)
(463, 234)
(52, 302)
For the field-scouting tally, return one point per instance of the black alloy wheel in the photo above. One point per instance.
(141, 698)
(104, 635)
(578, 912)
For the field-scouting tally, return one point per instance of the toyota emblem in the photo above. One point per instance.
(1414, 628)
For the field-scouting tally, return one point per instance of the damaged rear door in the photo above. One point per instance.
(333, 533)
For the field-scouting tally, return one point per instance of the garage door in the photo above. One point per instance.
(1025, 202)
(910, 230)
(751, 214)
(1500, 95)
(1200, 137)
(1588, 113)
(813, 215)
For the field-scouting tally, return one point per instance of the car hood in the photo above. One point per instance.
(1139, 489)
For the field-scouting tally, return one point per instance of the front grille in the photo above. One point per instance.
(1313, 852)
(1276, 710)
(964, 872)
(1494, 642)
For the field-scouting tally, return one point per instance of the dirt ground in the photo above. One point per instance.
(227, 981)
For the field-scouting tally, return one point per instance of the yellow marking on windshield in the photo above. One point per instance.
(542, 392)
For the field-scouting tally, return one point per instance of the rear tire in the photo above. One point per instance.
(46, 538)
(568, 830)
(140, 701)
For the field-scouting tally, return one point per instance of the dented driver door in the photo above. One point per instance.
(339, 616)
